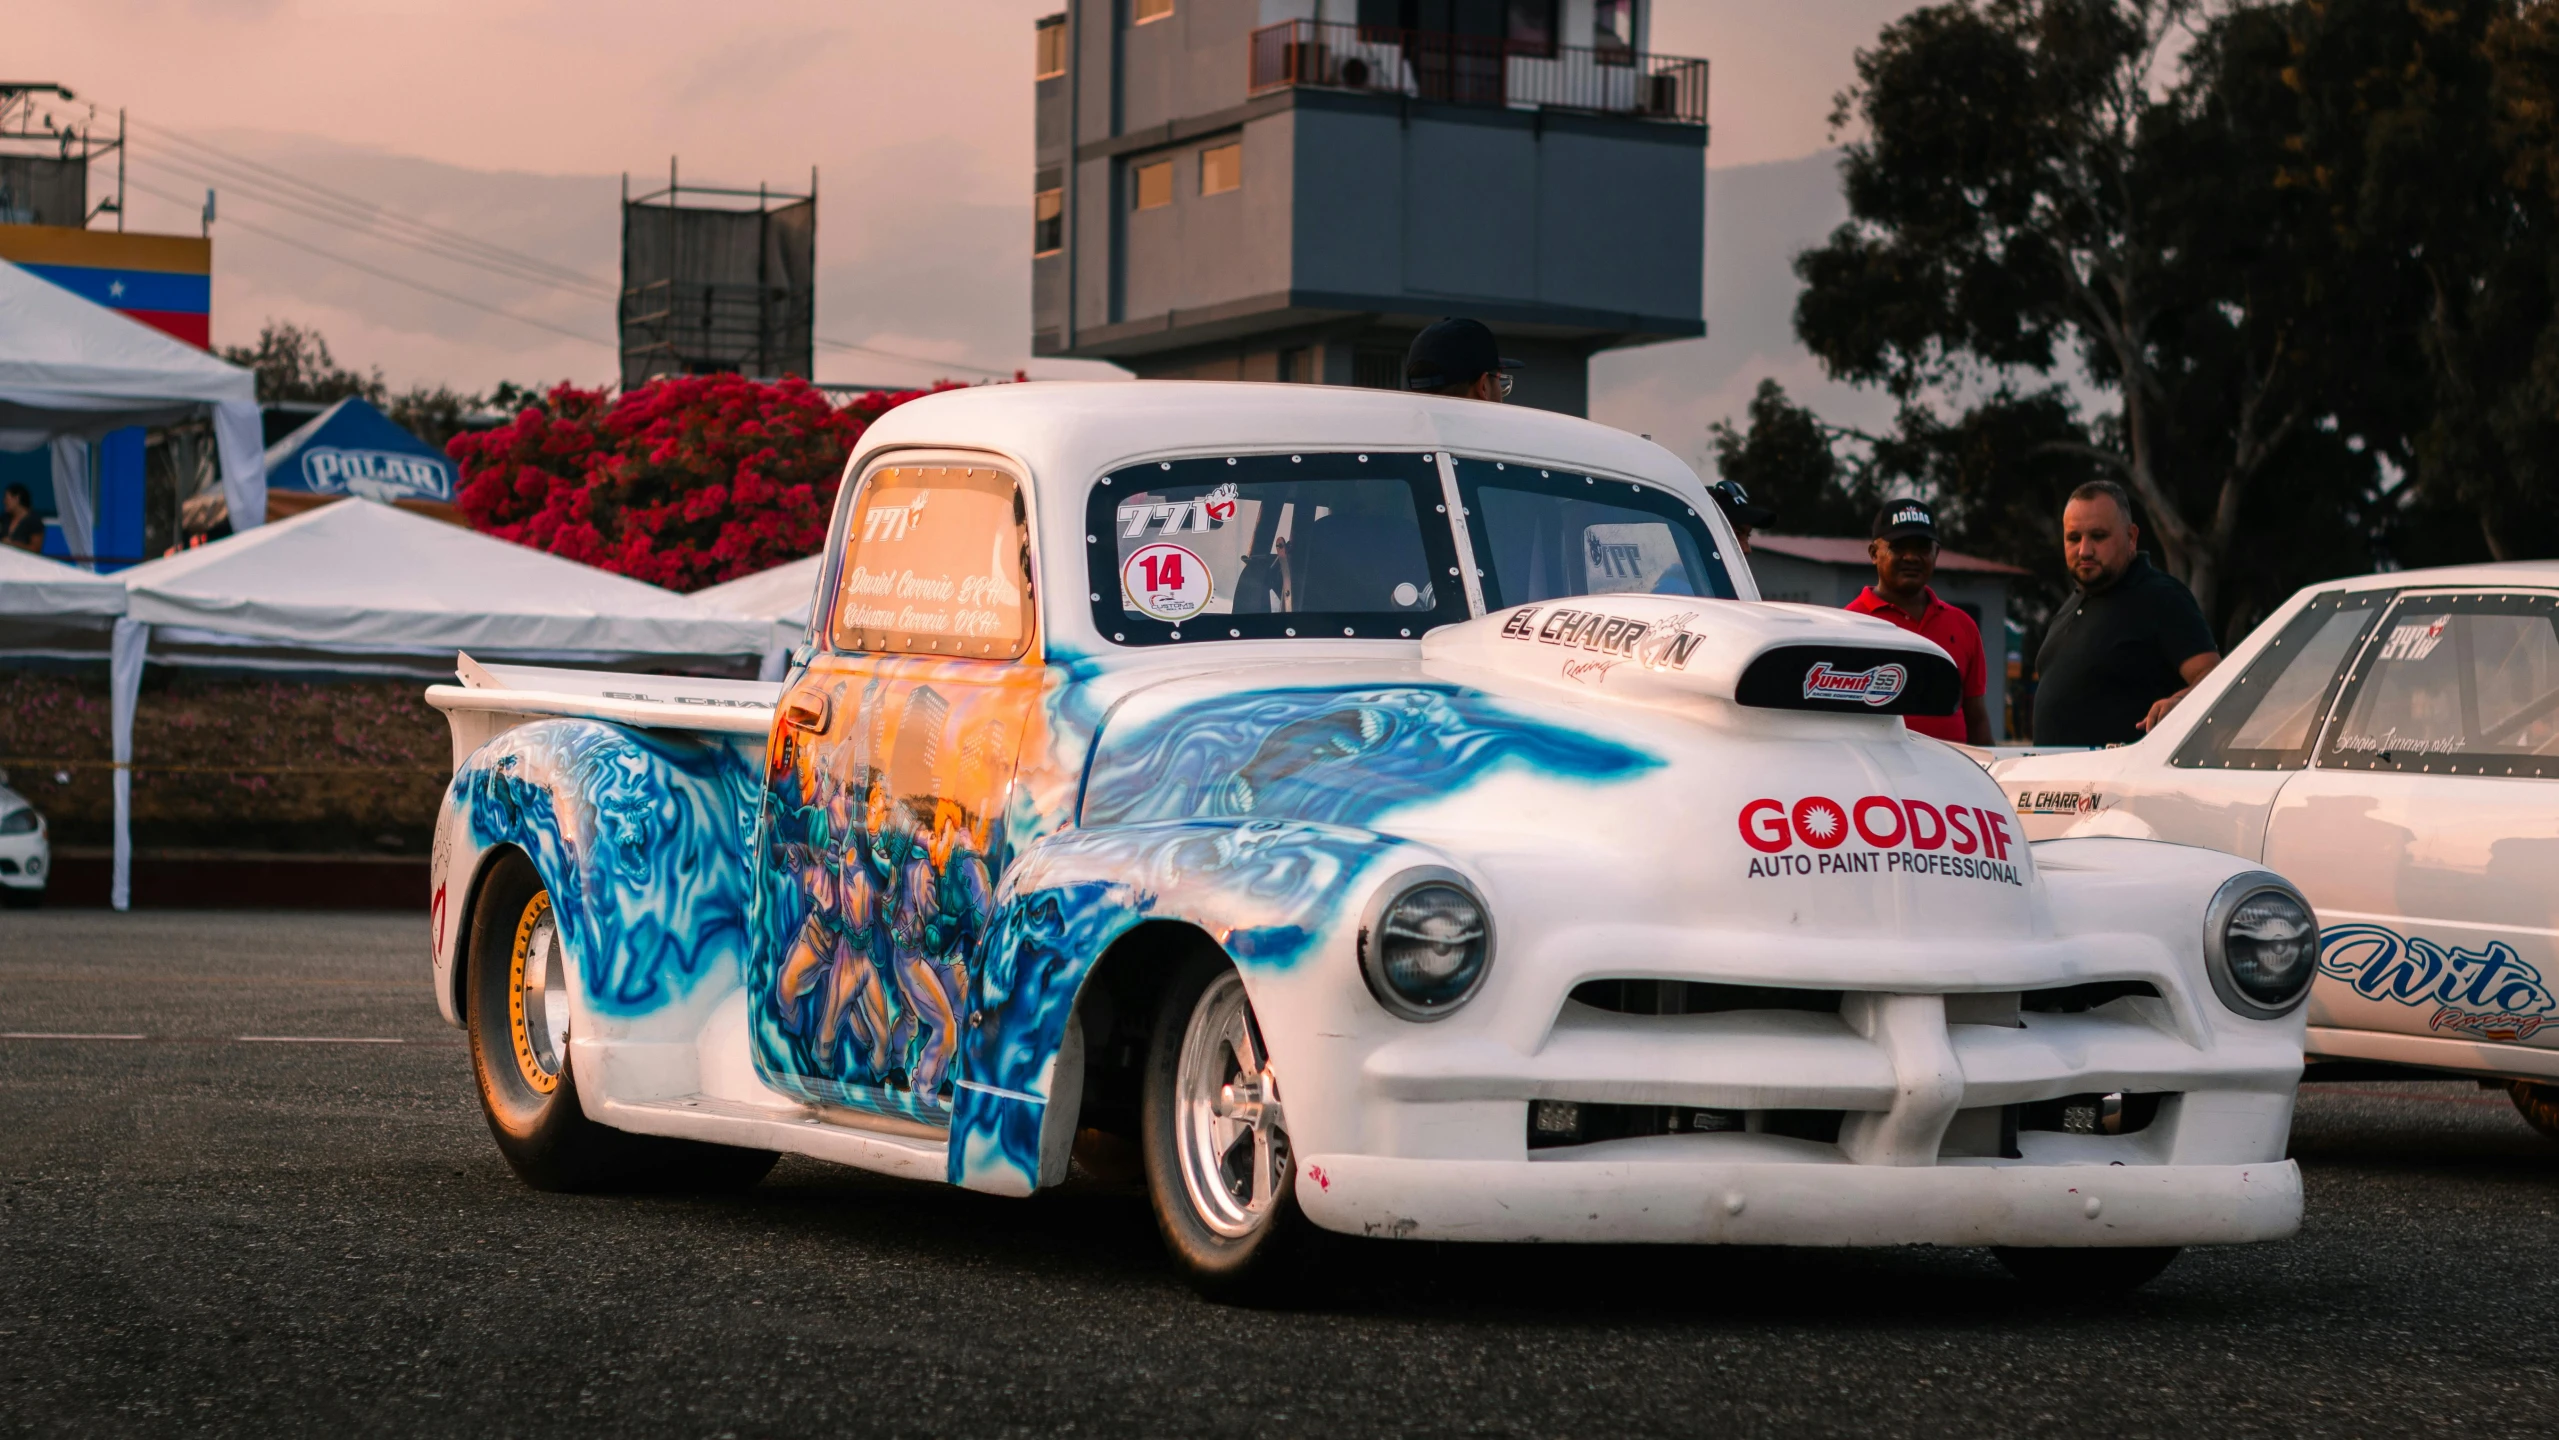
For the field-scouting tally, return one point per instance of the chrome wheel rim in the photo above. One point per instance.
(537, 997)
(1230, 1135)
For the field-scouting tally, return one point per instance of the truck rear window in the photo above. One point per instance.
(1273, 547)
(935, 564)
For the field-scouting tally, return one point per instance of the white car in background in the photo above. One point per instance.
(2390, 744)
(26, 857)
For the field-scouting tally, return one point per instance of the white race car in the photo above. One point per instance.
(26, 856)
(1387, 814)
(2391, 744)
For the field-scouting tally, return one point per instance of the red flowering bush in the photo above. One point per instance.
(684, 482)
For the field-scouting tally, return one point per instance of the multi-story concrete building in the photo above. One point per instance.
(1289, 189)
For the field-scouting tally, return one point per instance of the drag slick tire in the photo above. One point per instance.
(1219, 1170)
(2538, 1104)
(516, 1009)
(2085, 1273)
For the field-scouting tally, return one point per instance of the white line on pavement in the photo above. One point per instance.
(321, 1040)
(50, 1035)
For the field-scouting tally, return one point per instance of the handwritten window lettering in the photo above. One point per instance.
(2460, 681)
(936, 563)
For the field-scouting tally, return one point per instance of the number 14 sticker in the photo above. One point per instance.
(1167, 582)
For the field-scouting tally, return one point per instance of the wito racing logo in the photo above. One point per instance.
(1878, 686)
(1811, 835)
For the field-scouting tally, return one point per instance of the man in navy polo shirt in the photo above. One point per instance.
(1904, 549)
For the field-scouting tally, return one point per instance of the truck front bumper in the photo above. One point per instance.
(1684, 1190)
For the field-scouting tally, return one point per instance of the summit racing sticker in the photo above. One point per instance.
(1609, 640)
(1811, 836)
(1879, 686)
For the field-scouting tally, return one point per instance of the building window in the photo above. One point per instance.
(1376, 367)
(1222, 169)
(1048, 222)
(1533, 27)
(1613, 30)
(1153, 189)
(1147, 10)
(1051, 59)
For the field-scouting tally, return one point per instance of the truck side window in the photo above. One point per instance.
(1544, 534)
(2455, 685)
(936, 562)
(2270, 718)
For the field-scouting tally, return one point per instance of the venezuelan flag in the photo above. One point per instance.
(164, 281)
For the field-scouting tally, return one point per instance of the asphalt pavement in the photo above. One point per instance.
(278, 1212)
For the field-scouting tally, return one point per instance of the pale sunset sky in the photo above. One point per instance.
(513, 121)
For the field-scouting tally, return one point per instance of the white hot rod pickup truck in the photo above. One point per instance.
(1393, 816)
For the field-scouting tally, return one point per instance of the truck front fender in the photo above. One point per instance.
(1270, 892)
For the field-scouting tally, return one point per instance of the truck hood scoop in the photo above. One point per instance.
(1657, 648)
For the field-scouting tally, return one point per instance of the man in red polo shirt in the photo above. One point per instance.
(1904, 549)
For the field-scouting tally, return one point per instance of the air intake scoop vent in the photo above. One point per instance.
(1662, 647)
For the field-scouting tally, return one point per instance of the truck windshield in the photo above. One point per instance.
(1544, 534)
(1273, 546)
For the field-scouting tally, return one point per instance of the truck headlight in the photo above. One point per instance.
(1426, 943)
(2261, 945)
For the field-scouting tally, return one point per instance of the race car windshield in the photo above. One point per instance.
(1273, 547)
(1546, 534)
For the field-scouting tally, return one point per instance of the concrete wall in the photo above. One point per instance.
(1498, 205)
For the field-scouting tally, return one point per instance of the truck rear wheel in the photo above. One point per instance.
(2086, 1274)
(1218, 1165)
(516, 1010)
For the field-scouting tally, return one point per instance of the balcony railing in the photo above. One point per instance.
(1477, 70)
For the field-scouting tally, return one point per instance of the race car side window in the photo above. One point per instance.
(2270, 718)
(1546, 534)
(936, 562)
(2455, 685)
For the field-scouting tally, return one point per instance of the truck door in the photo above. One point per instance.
(2426, 833)
(886, 782)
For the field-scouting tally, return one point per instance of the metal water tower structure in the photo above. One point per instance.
(714, 287)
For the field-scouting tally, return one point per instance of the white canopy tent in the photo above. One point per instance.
(358, 587)
(71, 370)
(52, 610)
(782, 596)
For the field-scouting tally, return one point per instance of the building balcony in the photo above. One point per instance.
(1477, 70)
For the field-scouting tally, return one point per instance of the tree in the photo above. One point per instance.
(2040, 184)
(684, 482)
(1794, 464)
(294, 364)
(2425, 138)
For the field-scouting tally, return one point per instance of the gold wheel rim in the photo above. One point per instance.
(533, 935)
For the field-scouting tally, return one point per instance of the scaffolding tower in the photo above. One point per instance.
(712, 287)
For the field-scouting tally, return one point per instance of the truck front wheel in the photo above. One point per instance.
(516, 1009)
(1218, 1165)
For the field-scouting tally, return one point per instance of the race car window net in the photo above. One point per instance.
(1265, 547)
(2269, 718)
(935, 562)
(2454, 685)
(1547, 534)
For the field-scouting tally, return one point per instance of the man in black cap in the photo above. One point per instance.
(2128, 644)
(1905, 554)
(1458, 357)
(1743, 515)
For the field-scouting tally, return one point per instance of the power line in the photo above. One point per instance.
(393, 277)
(214, 165)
